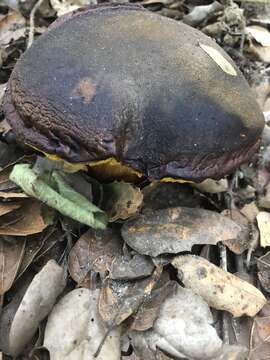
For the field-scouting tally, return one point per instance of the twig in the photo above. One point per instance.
(32, 23)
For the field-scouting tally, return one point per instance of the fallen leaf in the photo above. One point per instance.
(250, 211)
(177, 229)
(63, 7)
(122, 200)
(76, 321)
(242, 241)
(12, 195)
(260, 34)
(259, 52)
(51, 189)
(119, 300)
(8, 312)
(263, 220)
(32, 247)
(94, 251)
(26, 220)
(130, 267)
(263, 265)
(6, 207)
(212, 186)
(36, 305)
(142, 350)
(149, 311)
(11, 254)
(199, 13)
(260, 336)
(159, 195)
(220, 289)
(184, 328)
(12, 27)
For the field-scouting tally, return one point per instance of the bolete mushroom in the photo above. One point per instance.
(118, 86)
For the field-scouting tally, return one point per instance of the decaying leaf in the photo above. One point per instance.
(220, 289)
(263, 220)
(162, 195)
(260, 34)
(122, 200)
(201, 12)
(212, 186)
(250, 211)
(127, 267)
(12, 195)
(95, 250)
(76, 321)
(32, 247)
(26, 220)
(242, 241)
(184, 328)
(119, 300)
(52, 190)
(11, 254)
(260, 335)
(259, 52)
(177, 229)
(12, 27)
(35, 306)
(7, 207)
(263, 264)
(8, 312)
(63, 7)
(149, 310)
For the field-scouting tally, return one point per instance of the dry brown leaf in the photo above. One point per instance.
(7, 207)
(263, 265)
(11, 254)
(149, 310)
(12, 195)
(24, 221)
(242, 241)
(95, 250)
(260, 336)
(212, 186)
(119, 300)
(127, 267)
(32, 247)
(259, 52)
(122, 200)
(177, 229)
(12, 27)
(263, 220)
(250, 211)
(220, 289)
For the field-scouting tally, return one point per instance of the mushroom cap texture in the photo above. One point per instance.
(119, 81)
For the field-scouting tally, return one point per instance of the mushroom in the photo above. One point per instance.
(117, 86)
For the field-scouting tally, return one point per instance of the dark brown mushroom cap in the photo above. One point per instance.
(119, 81)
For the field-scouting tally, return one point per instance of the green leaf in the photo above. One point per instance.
(52, 190)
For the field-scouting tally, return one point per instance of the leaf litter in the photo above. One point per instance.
(122, 236)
